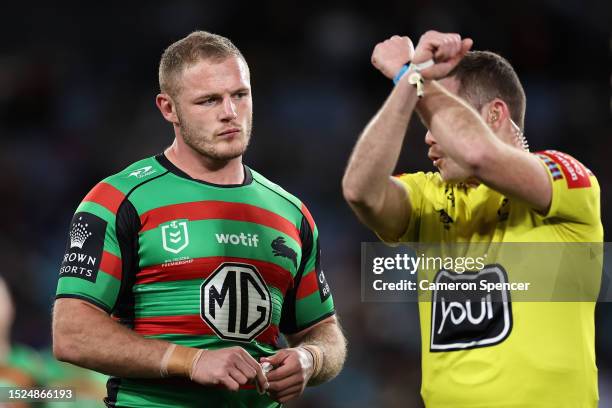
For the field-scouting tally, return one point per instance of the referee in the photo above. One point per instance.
(488, 188)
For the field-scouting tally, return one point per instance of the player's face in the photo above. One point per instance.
(215, 109)
(449, 169)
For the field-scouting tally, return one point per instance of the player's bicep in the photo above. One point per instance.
(91, 267)
(519, 175)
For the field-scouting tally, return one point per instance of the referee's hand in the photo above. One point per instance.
(229, 368)
(390, 55)
(445, 49)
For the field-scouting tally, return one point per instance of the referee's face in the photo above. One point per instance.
(214, 107)
(449, 169)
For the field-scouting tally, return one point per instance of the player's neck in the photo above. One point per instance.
(203, 168)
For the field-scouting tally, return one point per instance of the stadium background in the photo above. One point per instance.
(77, 87)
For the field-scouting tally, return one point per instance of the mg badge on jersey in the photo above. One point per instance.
(235, 302)
(175, 236)
(465, 319)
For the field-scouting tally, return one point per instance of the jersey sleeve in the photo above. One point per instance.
(414, 183)
(575, 195)
(310, 300)
(91, 268)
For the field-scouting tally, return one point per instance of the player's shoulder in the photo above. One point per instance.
(112, 191)
(135, 174)
(563, 166)
(275, 189)
(283, 195)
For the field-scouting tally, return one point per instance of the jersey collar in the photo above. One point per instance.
(163, 160)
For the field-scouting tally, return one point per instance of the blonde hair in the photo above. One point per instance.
(189, 50)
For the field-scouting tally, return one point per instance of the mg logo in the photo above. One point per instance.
(175, 236)
(235, 302)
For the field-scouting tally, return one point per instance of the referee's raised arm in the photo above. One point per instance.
(379, 201)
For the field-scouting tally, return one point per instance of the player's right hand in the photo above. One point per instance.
(229, 367)
(390, 55)
(445, 49)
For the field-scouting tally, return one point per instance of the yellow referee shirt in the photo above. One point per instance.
(546, 356)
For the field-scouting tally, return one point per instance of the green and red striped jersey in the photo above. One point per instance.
(196, 264)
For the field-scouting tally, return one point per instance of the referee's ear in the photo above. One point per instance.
(166, 106)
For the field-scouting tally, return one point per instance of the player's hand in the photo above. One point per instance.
(446, 50)
(293, 367)
(229, 367)
(390, 55)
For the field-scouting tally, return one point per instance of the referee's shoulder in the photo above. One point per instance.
(421, 177)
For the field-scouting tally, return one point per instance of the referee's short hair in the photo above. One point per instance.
(199, 45)
(484, 76)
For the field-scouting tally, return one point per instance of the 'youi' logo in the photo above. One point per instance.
(468, 319)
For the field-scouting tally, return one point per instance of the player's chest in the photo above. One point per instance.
(237, 252)
(210, 230)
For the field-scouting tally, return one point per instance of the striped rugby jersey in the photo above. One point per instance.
(196, 264)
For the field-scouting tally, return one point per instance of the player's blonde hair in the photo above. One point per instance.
(199, 45)
(484, 76)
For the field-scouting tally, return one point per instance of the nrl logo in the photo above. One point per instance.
(175, 236)
(142, 172)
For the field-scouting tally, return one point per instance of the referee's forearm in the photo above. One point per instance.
(89, 338)
(377, 150)
(458, 128)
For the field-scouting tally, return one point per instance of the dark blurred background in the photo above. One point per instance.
(77, 88)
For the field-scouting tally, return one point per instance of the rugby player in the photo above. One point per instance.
(488, 188)
(182, 270)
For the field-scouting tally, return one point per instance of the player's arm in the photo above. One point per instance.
(87, 336)
(316, 355)
(327, 337)
(317, 346)
(466, 138)
(378, 200)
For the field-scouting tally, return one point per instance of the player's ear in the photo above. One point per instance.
(167, 107)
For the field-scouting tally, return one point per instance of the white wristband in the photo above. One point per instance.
(423, 65)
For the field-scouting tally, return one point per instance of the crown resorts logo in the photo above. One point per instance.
(79, 234)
